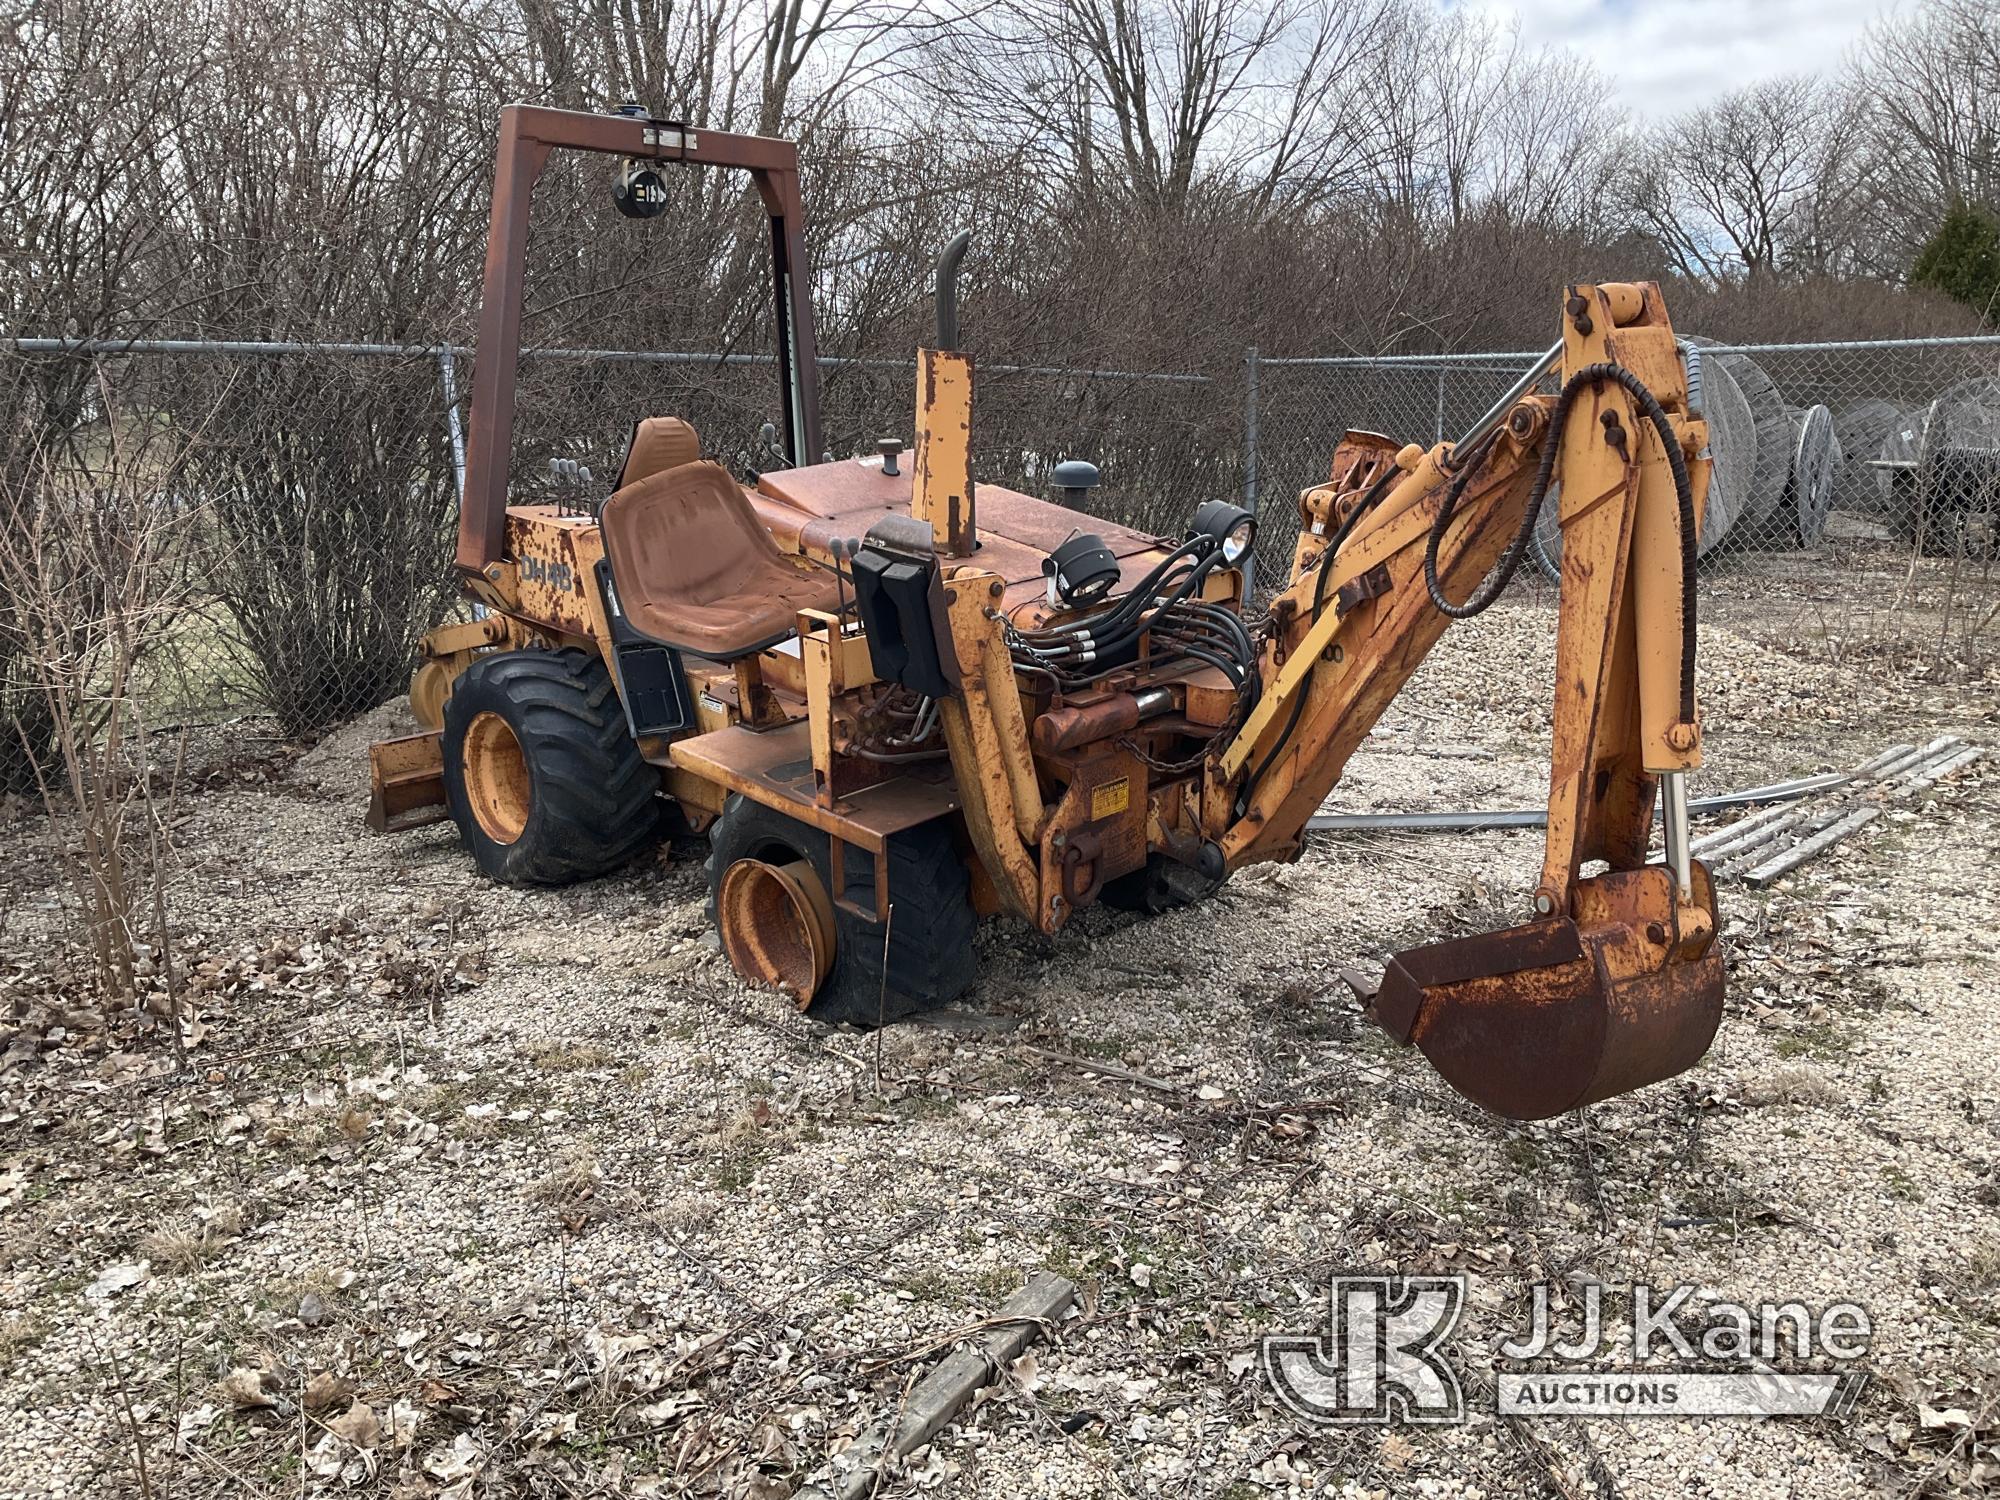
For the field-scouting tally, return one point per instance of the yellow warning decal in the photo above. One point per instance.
(1110, 799)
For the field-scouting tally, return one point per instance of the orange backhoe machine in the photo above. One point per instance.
(897, 699)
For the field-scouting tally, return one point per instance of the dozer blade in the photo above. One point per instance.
(406, 783)
(1542, 1018)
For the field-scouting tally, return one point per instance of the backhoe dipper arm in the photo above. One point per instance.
(1613, 983)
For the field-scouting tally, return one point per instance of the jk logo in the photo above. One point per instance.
(1380, 1360)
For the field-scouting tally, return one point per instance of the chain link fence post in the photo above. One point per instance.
(448, 378)
(1250, 429)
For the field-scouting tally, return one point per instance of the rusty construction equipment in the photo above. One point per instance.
(897, 699)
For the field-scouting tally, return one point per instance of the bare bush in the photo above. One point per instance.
(94, 573)
(327, 535)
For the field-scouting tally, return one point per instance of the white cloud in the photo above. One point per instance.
(1668, 55)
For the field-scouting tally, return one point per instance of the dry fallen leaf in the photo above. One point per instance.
(327, 1457)
(1949, 1416)
(113, 1279)
(1026, 1373)
(357, 1425)
(244, 1388)
(324, 1390)
(460, 1461)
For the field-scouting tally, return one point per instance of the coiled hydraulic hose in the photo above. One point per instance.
(1071, 652)
(1495, 583)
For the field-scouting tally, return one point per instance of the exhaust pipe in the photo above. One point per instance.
(947, 289)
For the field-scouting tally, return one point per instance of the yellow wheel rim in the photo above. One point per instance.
(430, 686)
(497, 783)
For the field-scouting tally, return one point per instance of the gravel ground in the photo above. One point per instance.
(473, 1191)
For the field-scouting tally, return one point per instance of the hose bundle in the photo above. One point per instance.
(1164, 609)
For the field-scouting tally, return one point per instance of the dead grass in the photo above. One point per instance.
(567, 1055)
(1794, 1084)
(577, 1180)
(182, 1248)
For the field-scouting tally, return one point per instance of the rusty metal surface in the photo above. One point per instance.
(1533, 945)
(944, 495)
(1095, 832)
(1077, 724)
(527, 135)
(1549, 1016)
(555, 557)
(808, 509)
(1531, 1042)
(406, 783)
(991, 758)
(775, 767)
(777, 925)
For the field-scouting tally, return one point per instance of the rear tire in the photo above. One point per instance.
(931, 961)
(579, 802)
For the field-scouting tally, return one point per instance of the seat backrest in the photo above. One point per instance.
(685, 535)
(658, 444)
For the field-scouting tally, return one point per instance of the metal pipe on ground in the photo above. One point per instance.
(1731, 844)
(940, 1394)
(1781, 792)
(1809, 831)
(1805, 849)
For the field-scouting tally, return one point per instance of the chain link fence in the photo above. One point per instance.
(1820, 450)
(319, 481)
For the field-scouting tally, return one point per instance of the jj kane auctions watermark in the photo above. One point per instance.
(1382, 1357)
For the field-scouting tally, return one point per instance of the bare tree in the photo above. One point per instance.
(319, 164)
(84, 91)
(1929, 83)
(1149, 99)
(94, 573)
(1753, 183)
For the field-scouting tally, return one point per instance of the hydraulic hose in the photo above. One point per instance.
(1125, 623)
(1133, 603)
(1495, 583)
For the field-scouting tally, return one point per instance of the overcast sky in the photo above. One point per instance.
(1668, 54)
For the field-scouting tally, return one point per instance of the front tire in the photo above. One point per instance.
(930, 930)
(541, 773)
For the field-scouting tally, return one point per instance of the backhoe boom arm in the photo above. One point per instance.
(1396, 545)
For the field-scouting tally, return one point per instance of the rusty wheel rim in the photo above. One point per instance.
(497, 784)
(777, 925)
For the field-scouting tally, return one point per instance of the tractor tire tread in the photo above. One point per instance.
(595, 804)
(930, 930)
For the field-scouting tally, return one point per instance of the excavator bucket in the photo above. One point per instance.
(1542, 1018)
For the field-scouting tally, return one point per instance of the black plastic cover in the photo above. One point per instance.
(900, 594)
(651, 680)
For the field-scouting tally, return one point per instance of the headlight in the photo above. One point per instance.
(1233, 528)
(1081, 571)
